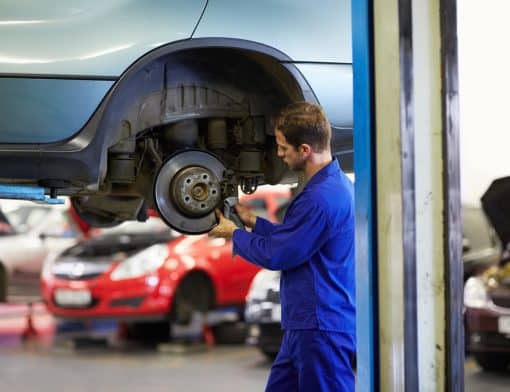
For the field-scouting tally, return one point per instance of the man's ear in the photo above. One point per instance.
(306, 149)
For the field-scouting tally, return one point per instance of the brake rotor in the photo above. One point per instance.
(187, 190)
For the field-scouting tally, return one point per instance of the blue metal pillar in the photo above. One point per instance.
(25, 192)
(365, 196)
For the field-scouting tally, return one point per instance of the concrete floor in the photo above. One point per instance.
(51, 363)
(223, 368)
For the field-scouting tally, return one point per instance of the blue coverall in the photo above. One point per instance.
(314, 249)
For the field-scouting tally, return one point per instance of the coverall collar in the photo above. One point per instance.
(326, 171)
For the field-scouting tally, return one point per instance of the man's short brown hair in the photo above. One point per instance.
(305, 123)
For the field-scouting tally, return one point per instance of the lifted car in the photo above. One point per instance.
(127, 106)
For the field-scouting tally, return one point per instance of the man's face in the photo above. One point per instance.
(293, 158)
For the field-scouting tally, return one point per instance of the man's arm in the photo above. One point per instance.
(258, 224)
(287, 245)
(263, 226)
(226, 228)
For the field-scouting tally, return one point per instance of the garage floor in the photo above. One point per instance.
(221, 369)
(52, 363)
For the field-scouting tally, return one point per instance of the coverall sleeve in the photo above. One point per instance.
(263, 226)
(290, 244)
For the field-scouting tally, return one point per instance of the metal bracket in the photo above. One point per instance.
(23, 192)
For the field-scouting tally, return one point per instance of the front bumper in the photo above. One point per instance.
(140, 298)
(486, 331)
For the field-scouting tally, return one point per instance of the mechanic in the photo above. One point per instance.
(314, 249)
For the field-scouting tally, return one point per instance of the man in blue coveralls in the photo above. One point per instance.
(314, 249)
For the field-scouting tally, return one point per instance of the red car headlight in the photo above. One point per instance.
(142, 263)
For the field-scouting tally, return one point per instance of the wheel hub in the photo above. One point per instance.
(187, 190)
(195, 190)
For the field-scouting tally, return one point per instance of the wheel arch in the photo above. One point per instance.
(198, 276)
(139, 90)
(82, 160)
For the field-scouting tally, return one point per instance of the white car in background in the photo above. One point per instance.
(28, 234)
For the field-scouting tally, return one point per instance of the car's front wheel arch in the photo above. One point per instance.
(195, 293)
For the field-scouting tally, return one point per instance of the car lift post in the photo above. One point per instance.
(409, 241)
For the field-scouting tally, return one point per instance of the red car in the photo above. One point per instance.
(142, 272)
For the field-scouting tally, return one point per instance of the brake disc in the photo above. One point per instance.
(187, 190)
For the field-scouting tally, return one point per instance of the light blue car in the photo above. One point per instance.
(127, 105)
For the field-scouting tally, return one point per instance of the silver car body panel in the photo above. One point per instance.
(28, 107)
(89, 37)
(103, 38)
(332, 85)
(304, 31)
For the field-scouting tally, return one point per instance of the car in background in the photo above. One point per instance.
(152, 275)
(118, 104)
(29, 233)
(487, 317)
(263, 313)
(481, 246)
(487, 296)
(481, 250)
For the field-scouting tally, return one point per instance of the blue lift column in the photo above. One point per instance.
(406, 160)
(365, 197)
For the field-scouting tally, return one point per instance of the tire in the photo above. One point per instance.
(149, 332)
(192, 297)
(269, 354)
(230, 333)
(3, 283)
(492, 362)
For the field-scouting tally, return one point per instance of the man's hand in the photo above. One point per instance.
(225, 227)
(247, 216)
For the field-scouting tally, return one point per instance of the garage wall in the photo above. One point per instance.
(484, 77)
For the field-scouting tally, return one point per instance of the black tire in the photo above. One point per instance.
(3, 283)
(492, 362)
(194, 295)
(230, 333)
(269, 354)
(149, 332)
